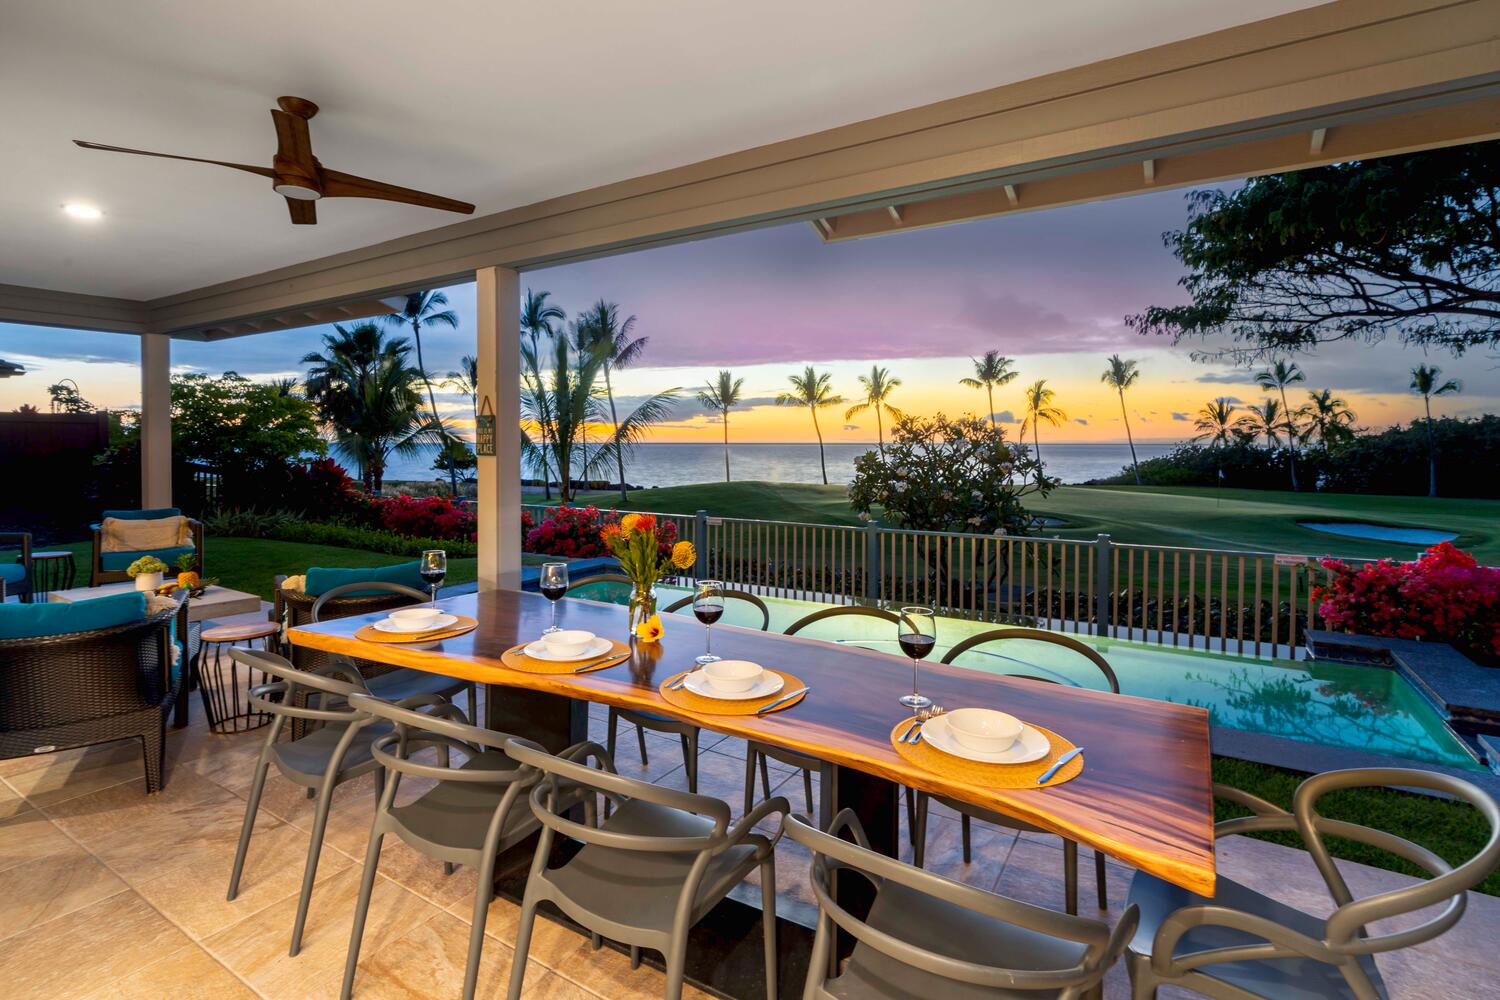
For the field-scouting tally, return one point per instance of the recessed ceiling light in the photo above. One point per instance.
(77, 211)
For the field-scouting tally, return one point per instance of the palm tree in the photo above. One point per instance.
(601, 328)
(1328, 418)
(1264, 421)
(877, 386)
(1121, 375)
(720, 397)
(1278, 377)
(989, 371)
(1425, 383)
(812, 390)
(429, 308)
(1039, 410)
(367, 395)
(536, 322)
(1216, 422)
(466, 381)
(560, 401)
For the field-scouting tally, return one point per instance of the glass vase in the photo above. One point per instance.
(642, 604)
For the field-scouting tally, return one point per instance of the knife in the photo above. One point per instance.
(602, 662)
(679, 682)
(1046, 775)
(781, 701)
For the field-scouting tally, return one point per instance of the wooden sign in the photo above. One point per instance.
(484, 429)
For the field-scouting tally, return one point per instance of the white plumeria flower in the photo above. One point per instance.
(900, 487)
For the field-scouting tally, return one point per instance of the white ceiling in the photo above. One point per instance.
(498, 102)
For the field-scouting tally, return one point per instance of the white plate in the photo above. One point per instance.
(1031, 746)
(768, 685)
(538, 651)
(438, 623)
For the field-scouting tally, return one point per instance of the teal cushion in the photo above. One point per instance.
(112, 561)
(143, 515)
(27, 621)
(13, 572)
(320, 580)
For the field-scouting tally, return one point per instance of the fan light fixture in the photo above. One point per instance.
(86, 212)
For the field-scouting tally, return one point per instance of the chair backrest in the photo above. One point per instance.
(388, 596)
(850, 609)
(832, 853)
(295, 692)
(729, 595)
(440, 725)
(1084, 650)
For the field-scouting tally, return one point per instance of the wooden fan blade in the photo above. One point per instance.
(341, 185)
(249, 169)
(304, 211)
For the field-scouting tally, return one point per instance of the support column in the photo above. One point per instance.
(156, 420)
(498, 295)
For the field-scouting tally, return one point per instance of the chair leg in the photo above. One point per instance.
(362, 907)
(611, 741)
(474, 704)
(640, 738)
(476, 926)
(522, 946)
(635, 956)
(1143, 982)
(911, 814)
(967, 823)
(251, 806)
(768, 919)
(807, 789)
(750, 755)
(919, 830)
(765, 777)
(597, 940)
(310, 870)
(1070, 875)
(676, 957)
(690, 758)
(1099, 880)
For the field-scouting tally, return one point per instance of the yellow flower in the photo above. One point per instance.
(649, 630)
(628, 522)
(683, 555)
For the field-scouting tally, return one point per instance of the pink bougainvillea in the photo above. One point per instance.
(1445, 596)
(425, 517)
(574, 533)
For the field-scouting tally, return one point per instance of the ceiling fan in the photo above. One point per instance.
(297, 175)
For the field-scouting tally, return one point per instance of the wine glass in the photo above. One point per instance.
(433, 567)
(708, 606)
(917, 634)
(553, 584)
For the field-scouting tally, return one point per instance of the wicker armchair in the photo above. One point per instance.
(293, 609)
(81, 688)
(15, 578)
(98, 575)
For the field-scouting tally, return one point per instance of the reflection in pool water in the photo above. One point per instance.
(1339, 705)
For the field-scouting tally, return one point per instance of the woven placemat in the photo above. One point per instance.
(683, 698)
(369, 633)
(517, 660)
(974, 772)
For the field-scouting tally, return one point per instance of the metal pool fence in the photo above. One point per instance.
(1224, 600)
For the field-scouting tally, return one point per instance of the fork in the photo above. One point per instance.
(914, 734)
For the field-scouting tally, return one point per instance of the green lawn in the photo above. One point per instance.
(1264, 520)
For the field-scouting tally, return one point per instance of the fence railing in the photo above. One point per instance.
(1232, 601)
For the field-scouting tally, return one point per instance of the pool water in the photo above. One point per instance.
(1333, 704)
(1381, 532)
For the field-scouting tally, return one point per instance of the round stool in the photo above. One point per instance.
(225, 699)
(51, 571)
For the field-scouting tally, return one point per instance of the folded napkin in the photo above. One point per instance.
(121, 535)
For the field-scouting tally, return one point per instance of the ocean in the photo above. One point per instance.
(683, 464)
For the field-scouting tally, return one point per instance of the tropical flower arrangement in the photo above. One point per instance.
(636, 542)
(1445, 596)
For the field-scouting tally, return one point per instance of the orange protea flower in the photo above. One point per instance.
(609, 533)
(649, 630)
(683, 555)
(629, 522)
(645, 523)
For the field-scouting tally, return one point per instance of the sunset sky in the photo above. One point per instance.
(1050, 289)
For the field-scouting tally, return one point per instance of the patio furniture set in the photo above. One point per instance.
(642, 865)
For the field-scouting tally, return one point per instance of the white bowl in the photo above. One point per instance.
(415, 617)
(568, 642)
(984, 729)
(732, 676)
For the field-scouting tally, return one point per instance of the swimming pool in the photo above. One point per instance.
(1332, 704)
(1381, 532)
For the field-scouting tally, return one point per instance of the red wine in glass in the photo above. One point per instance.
(708, 607)
(553, 583)
(916, 631)
(916, 646)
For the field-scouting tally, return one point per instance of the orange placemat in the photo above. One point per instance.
(974, 772)
(369, 633)
(683, 698)
(517, 660)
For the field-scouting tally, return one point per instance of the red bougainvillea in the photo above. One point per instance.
(574, 533)
(425, 517)
(1445, 596)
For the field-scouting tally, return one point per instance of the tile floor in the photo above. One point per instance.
(108, 893)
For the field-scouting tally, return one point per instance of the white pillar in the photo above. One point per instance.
(497, 295)
(156, 420)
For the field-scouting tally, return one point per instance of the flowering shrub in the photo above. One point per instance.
(575, 533)
(428, 517)
(1445, 596)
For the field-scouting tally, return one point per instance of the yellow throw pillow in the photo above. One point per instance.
(119, 535)
(296, 584)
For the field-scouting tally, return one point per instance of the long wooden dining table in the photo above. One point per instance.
(1144, 795)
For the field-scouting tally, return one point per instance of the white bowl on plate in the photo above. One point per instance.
(984, 729)
(732, 676)
(570, 642)
(415, 618)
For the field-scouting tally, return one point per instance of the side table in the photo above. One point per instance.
(51, 571)
(225, 699)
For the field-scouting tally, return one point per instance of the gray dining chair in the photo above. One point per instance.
(322, 758)
(1239, 943)
(968, 813)
(686, 732)
(757, 753)
(929, 936)
(472, 813)
(397, 683)
(649, 872)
